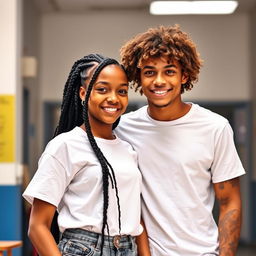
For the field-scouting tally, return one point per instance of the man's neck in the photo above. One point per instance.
(169, 113)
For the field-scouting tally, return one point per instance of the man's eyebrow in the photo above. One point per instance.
(153, 67)
(148, 67)
(170, 66)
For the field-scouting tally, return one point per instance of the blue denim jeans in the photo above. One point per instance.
(79, 242)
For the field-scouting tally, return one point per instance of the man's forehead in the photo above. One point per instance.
(153, 61)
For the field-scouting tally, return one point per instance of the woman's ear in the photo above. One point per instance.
(82, 93)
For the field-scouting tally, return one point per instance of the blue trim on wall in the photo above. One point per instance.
(10, 215)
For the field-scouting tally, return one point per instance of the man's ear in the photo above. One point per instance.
(82, 93)
(184, 78)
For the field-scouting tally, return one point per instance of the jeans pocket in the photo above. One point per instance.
(76, 248)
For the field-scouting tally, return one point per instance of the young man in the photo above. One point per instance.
(186, 153)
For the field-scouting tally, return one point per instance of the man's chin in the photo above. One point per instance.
(159, 105)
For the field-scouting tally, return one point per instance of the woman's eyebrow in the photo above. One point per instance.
(107, 83)
(102, 82)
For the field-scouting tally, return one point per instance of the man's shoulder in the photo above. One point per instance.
(209, 116)
(134, 121)
(135, 115)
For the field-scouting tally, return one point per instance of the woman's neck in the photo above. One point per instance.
(104, 132)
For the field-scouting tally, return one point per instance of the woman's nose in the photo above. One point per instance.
(112, 98)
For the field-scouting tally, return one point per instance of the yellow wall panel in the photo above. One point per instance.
(7, 128)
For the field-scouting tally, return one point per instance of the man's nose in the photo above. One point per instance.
(159, 80)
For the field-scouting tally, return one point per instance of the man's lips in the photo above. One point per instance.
(161, 92)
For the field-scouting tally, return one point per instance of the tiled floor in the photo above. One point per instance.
(246, 250)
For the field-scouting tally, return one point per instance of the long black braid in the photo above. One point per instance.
(73, 114)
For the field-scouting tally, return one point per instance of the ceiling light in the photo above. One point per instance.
(192, 7)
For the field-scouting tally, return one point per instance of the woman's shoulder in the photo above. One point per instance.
(66, 140)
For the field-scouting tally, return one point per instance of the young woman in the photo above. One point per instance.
(86, 172)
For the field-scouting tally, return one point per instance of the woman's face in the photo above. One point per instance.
(109, 95)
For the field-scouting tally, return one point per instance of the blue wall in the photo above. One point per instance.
(10, 215)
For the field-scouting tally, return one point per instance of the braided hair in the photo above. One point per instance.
(73, 114)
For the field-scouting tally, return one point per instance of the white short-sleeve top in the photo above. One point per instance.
(179, 161)
(69, 176)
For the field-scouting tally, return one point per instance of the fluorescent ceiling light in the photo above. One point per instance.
(192, 7)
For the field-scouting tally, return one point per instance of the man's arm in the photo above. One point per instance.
(142, 242)
(228, 196)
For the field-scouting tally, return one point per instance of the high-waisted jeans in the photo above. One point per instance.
(81, 242)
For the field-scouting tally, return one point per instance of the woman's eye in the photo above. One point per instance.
(101, 89)
(123, 92)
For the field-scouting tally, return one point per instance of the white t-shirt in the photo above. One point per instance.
(69, 176)
(179, 161)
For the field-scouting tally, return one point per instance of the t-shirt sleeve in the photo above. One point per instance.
(226, 164)
(49, 182)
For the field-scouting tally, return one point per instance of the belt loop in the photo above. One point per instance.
(60, 236)
(133, 244)
(99, 239)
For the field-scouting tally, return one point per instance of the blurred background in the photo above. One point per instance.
(41, 39)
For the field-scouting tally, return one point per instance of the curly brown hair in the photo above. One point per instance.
(161, 41)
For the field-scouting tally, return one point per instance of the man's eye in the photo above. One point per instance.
(149, 73)
(170, 72)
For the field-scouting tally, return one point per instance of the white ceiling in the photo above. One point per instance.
(45, 6)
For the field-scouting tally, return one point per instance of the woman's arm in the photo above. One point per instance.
(142, 242)
(39, 228)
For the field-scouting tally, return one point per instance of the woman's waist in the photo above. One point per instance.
(93, 223)
(86, 236)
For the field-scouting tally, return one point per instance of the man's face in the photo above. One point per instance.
(161, 80)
